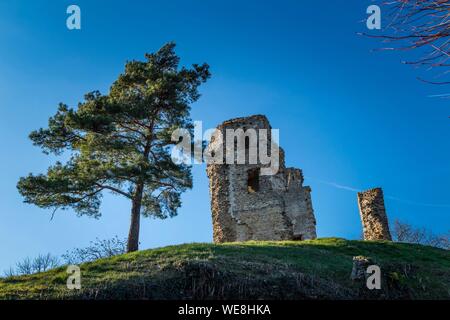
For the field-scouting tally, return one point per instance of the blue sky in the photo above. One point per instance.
(349, 117)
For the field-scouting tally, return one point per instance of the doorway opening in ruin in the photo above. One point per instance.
(253, 180)
(298, 237)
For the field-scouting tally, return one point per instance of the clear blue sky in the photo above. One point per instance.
(346, 115)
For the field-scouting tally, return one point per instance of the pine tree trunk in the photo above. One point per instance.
(133, 235)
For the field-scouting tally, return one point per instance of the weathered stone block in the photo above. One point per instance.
(360, 265)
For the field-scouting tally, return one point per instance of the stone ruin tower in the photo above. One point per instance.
(246, 205)
(373, 215)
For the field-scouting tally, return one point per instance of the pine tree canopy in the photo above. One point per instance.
(121, 142)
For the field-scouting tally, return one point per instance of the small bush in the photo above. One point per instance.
(41, 263)
(404, 232)
(97, 249)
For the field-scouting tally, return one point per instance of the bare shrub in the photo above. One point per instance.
(405, 232)
(41, 263)
(97, 249)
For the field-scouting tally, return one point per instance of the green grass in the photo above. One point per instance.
(256, 269)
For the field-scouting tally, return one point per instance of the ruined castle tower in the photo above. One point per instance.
(247, 205)
(373, 215)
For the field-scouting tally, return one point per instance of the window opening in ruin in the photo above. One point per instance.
(253, 180)
(298, 237)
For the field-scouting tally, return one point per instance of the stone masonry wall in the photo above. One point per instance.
(280, 209)
(373, 215)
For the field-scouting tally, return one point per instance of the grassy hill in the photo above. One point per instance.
(317, 269)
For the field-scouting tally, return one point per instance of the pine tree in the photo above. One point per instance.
(120, 142)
